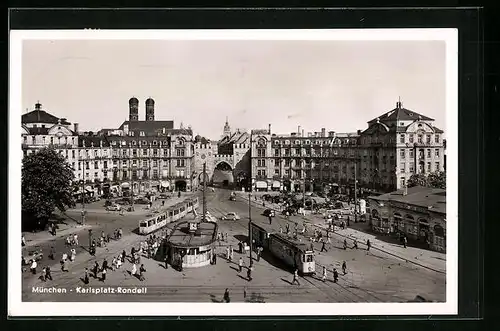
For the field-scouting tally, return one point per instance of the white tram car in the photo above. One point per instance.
(171, 214)
(294, 253)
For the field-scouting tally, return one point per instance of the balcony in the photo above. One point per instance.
(260, 177)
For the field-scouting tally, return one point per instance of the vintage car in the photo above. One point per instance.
(114, 207)
(268, 212)
(230, 217)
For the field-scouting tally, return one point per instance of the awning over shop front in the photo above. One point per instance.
(260, 184)
(125, 185)
(276, 183)
(165, 184)
(88, 188)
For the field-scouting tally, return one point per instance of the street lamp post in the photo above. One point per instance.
(250, 226)
(355, 195)
(83, 202)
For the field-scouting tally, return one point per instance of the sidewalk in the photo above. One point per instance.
(432, 260)
(37, 238)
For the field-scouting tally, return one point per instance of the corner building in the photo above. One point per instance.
(383, 157)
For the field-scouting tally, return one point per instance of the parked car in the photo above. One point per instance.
(291, 211)
(114, 207)
(34, 254)
(142, 201)
(230, 217)
(108, 203)
(164, 196)
(232, 198)
(269, 212)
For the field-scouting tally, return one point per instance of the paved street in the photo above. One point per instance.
(385, 274)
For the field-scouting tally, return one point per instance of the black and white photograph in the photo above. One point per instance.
(198, 172)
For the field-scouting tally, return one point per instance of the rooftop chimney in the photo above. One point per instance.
(298, 130)
(269, 129)
(359, 132)
(323, 132)
(38, 106)
(302, 133)
(75, 127)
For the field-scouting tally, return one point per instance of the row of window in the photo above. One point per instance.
(402, 153)
(134, 173)
(420, 138)
(60, 140)
(145, 163)
(411, 168)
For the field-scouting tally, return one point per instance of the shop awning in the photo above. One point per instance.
(125, 185)
(260, 184)
(276, 184)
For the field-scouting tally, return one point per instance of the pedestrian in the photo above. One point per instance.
(355, 244)
(166, 261)
(95, 270)
(287, 228)
(244, 292)
(142, 270)
(75, 239)
(52, 253)
(344, 267)
(404, 241)
(249, 274)
(132, 252)
(65, 266)
(259, 252)
(323, 249)
(90, 238)
(345, 244)
(226, 296)
(281, 230)
(103, 275)
(163, 203)
(23, 241)
(215, 258)
(133, 272)
(328, 237)
(124, 255)
(240, 247)
(86, 276)
(113, 263)
(324, 274)
(104, 264)
(118, 262)
(68, 241)
(270, 220)
(296, 277)
(240, 264)
(368, 245)
(42, 275)
(335, 276)
(73, 255)
(48, 275)
(231, 252)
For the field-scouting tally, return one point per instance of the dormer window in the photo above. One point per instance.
(134, 142)
(144, 142)
(308, 142)
(287, 142)
(142, 134)
(154, 142)
(297, 142)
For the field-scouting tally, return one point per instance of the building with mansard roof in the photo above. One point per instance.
(395, 145)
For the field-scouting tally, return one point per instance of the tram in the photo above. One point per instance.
(170, 214)
(294, 253)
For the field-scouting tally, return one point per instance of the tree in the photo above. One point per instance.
(46, 185)
(437, 179)
(434, 180)
(417, 180)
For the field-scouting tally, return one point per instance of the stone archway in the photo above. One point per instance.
(223, 175)
(180, 185)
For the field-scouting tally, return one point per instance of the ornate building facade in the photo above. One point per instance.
(146, 155)
(395, 145)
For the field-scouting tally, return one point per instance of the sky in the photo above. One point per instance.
(337, 85)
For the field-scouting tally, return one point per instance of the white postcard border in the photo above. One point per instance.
(18, 308)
